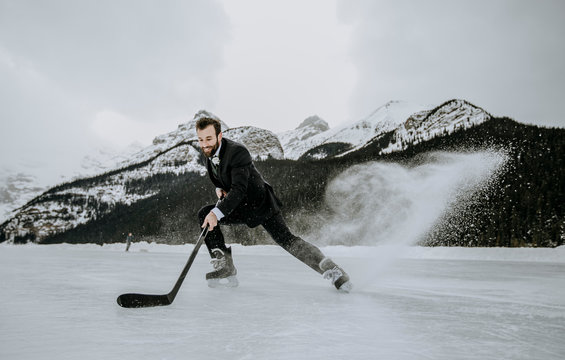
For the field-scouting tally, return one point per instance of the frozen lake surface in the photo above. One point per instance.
(59, 302)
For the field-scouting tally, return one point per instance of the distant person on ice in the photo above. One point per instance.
(248, 199)
(128, 241)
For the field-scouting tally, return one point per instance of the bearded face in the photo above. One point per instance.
(208, 140)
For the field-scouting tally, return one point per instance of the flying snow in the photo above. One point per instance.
(381, 203)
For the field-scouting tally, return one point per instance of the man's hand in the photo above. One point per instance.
(211, 221)
(221, 193)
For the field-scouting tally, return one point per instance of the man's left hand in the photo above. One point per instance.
(211, 221)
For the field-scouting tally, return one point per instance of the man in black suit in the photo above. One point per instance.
(246, 198)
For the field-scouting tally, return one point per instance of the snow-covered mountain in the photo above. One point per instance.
(444, 119)
(66, 206)
(184, 133)
(77, 202)
(19, 184)
(260, 143)
(354, 135)
(82, 200)
(293, 140)
(16, 188)
(410, 124)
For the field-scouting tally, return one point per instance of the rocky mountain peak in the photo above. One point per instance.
(446, 118)
(452, 113)
(261, 143)
(315, 122)
(297, 141)
(204, 114)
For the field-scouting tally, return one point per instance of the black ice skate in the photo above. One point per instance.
(223, 269)
(337, 275)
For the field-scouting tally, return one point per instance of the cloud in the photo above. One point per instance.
(63, 63)
(287, 60)
(504, 56)
(120, 129)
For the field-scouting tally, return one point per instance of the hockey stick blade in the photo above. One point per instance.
(142, 300)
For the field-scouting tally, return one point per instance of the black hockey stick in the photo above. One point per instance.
(144, 300)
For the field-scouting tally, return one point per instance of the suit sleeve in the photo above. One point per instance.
(240, 164)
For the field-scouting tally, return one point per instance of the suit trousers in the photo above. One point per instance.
(278, 230)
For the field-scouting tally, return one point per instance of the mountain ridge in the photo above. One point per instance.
(138, 185)
(385, 118)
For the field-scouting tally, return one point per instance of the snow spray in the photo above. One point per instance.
(381, 203)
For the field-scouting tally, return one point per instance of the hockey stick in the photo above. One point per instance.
(145, 300)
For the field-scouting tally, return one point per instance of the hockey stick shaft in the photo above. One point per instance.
(180, 280)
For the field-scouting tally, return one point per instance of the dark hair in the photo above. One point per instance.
(204, 122)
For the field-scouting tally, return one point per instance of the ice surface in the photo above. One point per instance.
(59, 302)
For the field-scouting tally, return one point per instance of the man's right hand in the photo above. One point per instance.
(221, 193)
(211, 221)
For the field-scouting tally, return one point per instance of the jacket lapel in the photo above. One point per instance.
(221, 166)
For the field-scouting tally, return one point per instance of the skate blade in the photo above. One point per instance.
(230, 281)
(346, 287)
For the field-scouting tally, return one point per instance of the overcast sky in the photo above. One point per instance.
(78, 74)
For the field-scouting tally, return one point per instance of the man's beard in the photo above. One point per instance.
(209, 152)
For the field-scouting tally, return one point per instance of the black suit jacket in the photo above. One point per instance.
(250, 198)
